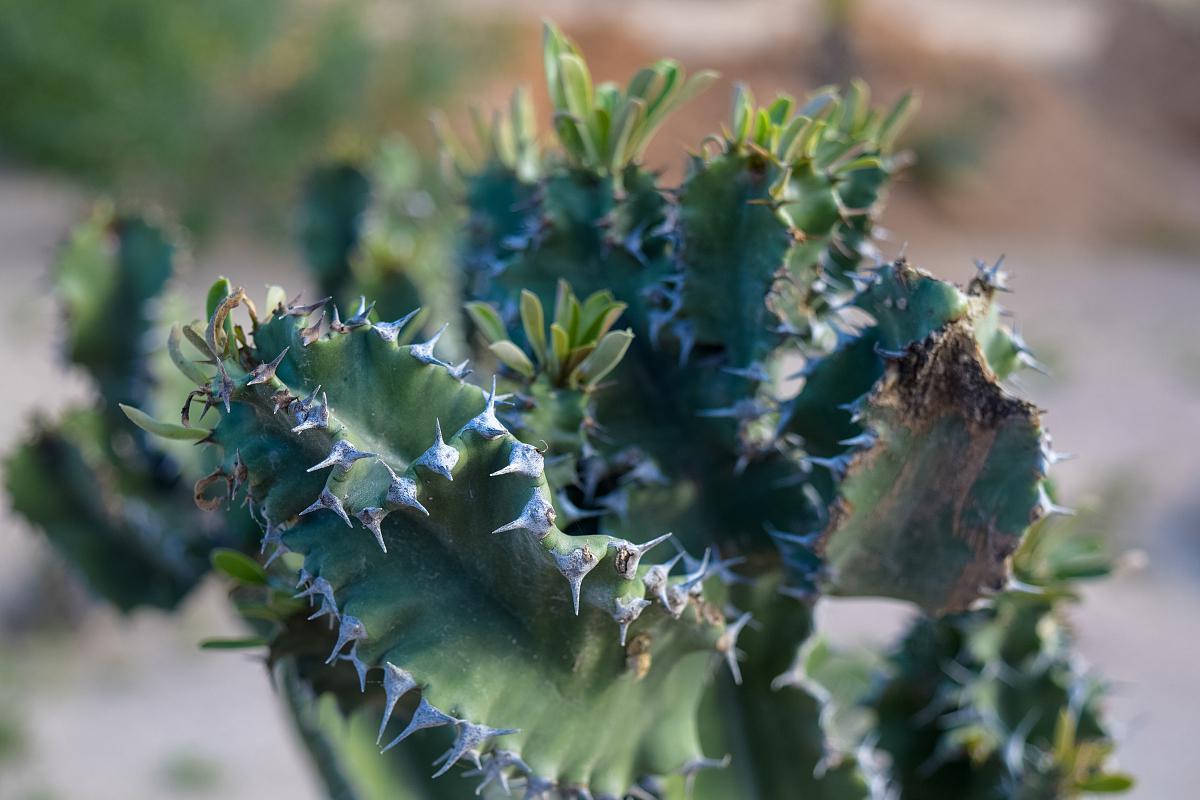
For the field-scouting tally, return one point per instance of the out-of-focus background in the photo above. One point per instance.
(1064, 134)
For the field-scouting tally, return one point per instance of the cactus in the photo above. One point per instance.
(113, 500)
(593, 573)
(369, 224)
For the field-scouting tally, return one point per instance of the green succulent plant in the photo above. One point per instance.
(594, 574)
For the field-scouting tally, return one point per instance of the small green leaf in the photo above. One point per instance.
(487, 319)
(166, 430)
(238, 566)
(276, 299)
(562, 304)
(533, 319)
(233, 644)
(604, 358)
(1110, 783)
(220, 289)
(896, 119)
(560, 348)
(513, 357)
(185, 365)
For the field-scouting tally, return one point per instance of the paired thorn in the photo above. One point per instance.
(294, 310)
(727, 645)
(459, 371)
(357, 321)
(390, 331)
(575, 566)
(402, 493)
(676, 595)
(626, 611)
(523, 459)
(864, 440)
(423, 351)
(372, 519)
(629, 555)
(440, 458)
(310, 334)
(494, 769)
(467, 743)
(319, 587)
(265, 372)
(537, 517)
(1048, 507)
(330, 501)
(272, 535)
(308, 413)
(342, 455)
(396, 683)
(350, 630)
(485, 423)
(426, 716)
(655, 579)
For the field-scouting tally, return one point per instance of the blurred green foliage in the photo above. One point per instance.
(192, 104)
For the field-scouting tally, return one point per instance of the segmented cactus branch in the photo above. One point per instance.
(429, 535)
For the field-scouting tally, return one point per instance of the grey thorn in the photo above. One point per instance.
(426, 716)
(467, 743)
(294, 310)
(629, 555)
(523, 459)
(754, 372)
(575, 566)
(440, 458)
(485, 423)
(396, 683)
(805, 540)
(537, 517)
(676, 595)
(273, 535)
(1048, 507)
(312, 332)
(655, 579)
(342, 455)
(331, 501)
(265, 372)
(423, 351)
(351, 630)
(319, 587)
(372, 519)
(359, 666)
(308, 413)
(722, 569)
(493, 769)
(727, 645)
(537, 787)
(402, 493)
(626, 611)
(303, 577)
(461, 370)
(357, 321)
(690, 769)
(864, 439)
(390, 331)
(743, 410)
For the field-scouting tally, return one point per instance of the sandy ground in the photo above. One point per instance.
(130, 708)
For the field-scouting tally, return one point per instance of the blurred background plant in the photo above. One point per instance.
(217, 106)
